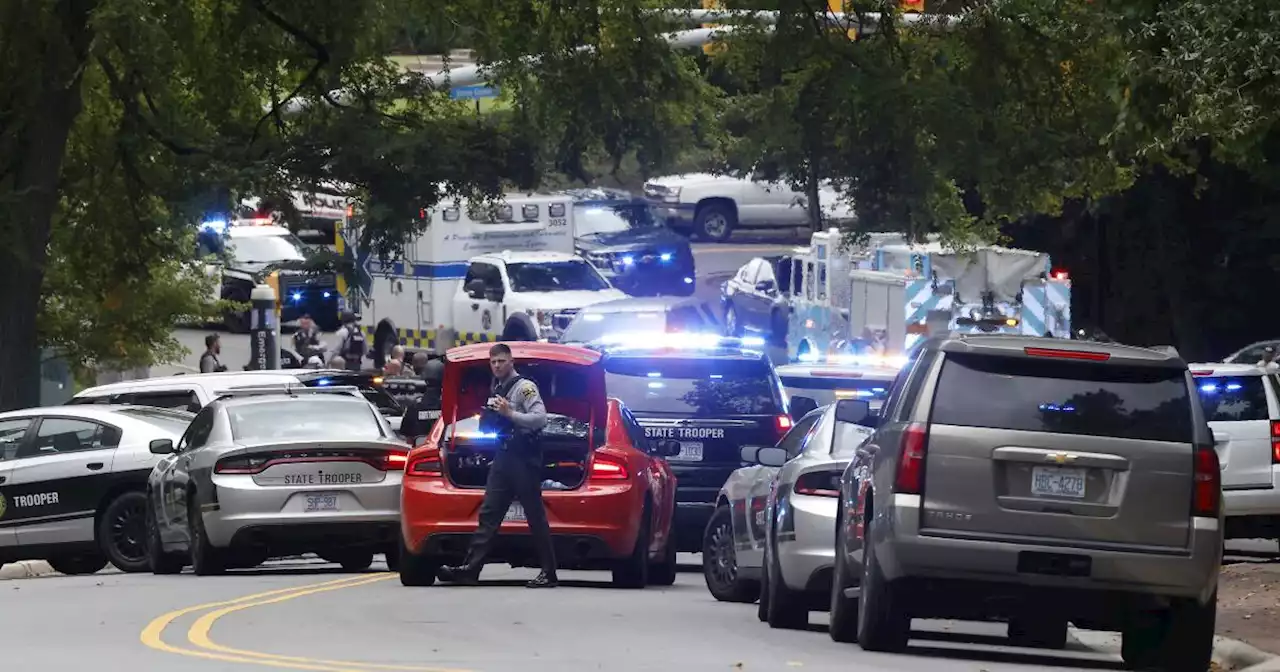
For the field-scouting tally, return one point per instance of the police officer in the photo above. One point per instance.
(516, 410)
(422, 414)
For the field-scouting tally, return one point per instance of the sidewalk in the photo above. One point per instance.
(1249, 604)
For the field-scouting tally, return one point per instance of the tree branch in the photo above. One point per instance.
(130, 103)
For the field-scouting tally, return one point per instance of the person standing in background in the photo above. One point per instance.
(209, 360)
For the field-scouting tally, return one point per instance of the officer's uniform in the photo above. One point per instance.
(516, 474)
(422, 414)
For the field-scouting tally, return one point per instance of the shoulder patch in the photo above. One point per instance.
(529, 390)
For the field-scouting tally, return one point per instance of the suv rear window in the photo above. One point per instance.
(1232, 398)
(701, 387)
(1060, 397)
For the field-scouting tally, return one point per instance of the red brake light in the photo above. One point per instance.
(395, 461)
(1208, 483)
(910, 476)
(607, 468)
(819, 484)
(1068, 354)
(426, 465)
(781, 425)
(1275, 442)
(1199, 374)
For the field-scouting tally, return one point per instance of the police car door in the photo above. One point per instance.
(12, 431)
(60, 475)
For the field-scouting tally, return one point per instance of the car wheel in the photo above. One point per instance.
(719, 564)
(762, 605)
(161, 562)
(633, 572)
(416, 570)
(844, 610)
(1038, 632)
(787, 608)
(883, 625)
(715, 222)
(122, 532)
(664, 573)
(392, 556)
(74, 565)
(1178, 640)
(205, 559)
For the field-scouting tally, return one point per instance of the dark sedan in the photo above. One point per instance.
(619, 236)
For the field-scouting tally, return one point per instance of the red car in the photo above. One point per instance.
(609, 492)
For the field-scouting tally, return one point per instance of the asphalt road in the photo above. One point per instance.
(715, 263)
(311, 616)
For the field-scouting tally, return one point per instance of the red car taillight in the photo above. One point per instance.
(606, 468)
(819, 484)
(426, 465)
(1208, 483)
(244, 464)
(1275, 442)
(910, 476)
(394, 460)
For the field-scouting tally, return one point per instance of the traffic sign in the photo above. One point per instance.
(473, 92)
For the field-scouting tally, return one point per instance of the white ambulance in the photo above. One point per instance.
(488, 272)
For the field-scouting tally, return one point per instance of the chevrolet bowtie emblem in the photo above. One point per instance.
(1060, 458)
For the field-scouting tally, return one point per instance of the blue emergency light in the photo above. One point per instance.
(678, 340)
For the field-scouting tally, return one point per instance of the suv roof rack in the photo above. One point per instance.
(290, 389)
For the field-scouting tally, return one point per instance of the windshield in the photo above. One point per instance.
(264, 249)
(589, 220)
(1232, 398)
(170, 421)
(316, 418)
(588, 327)
(702, 387)
(560, 276)
(1062, 397)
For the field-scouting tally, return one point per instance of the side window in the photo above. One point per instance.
(11, 433)
(920, 373)
(490, 274)
(181, 399)
(893, 401)
(796, 438)
(66, 435)
(101, 399)
(634, 430)
(198, 432)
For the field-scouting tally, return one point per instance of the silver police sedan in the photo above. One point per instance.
(264, 473)
(771, 537)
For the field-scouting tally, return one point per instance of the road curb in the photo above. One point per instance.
(1230, 654)
(26, 569)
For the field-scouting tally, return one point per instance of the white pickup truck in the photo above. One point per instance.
(711, 206)
(508, 273)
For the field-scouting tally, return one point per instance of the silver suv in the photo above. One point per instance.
(1039, 482)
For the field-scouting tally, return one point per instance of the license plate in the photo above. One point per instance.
(321, 503)
(1057, 482)
(690, 451)
(514, 514)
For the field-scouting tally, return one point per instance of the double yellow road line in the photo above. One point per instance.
(203, 646)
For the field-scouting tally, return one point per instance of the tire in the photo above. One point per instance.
(715, 222)
(762, 605)
(516, 330)
(633, 571)
(1039, 632)
(416, 570)
(392, 556)
(664, 573)
(883, 625)
(205, 559)
(76, 565)
(122, 532)
(786, 609)
(162, 563)
(844, 610)
(719, 564)
(1178, 640)
(353, 561)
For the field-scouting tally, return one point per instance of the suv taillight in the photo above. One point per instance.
(910, 476)
(781, 425)
(1275, 442)
(1208, 483)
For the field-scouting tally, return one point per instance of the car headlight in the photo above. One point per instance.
(544, 318)
(672, 195)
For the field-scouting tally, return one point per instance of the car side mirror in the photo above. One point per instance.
(161, 446)
(494, 294)
(765, 286)
(666, 448)
(475, 289)
(802, 406)
(854, 412)
(766, 456)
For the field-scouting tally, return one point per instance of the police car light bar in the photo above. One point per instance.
(288, 389)
(692, 341)
(876, 361)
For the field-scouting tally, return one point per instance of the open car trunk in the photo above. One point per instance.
(469, 452)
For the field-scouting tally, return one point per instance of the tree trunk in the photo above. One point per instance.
(34, 157)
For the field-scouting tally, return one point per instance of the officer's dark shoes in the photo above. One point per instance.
(461, 575)
(543, 581)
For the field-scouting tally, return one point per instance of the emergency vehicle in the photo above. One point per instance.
(881, 298)
(488, 272)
